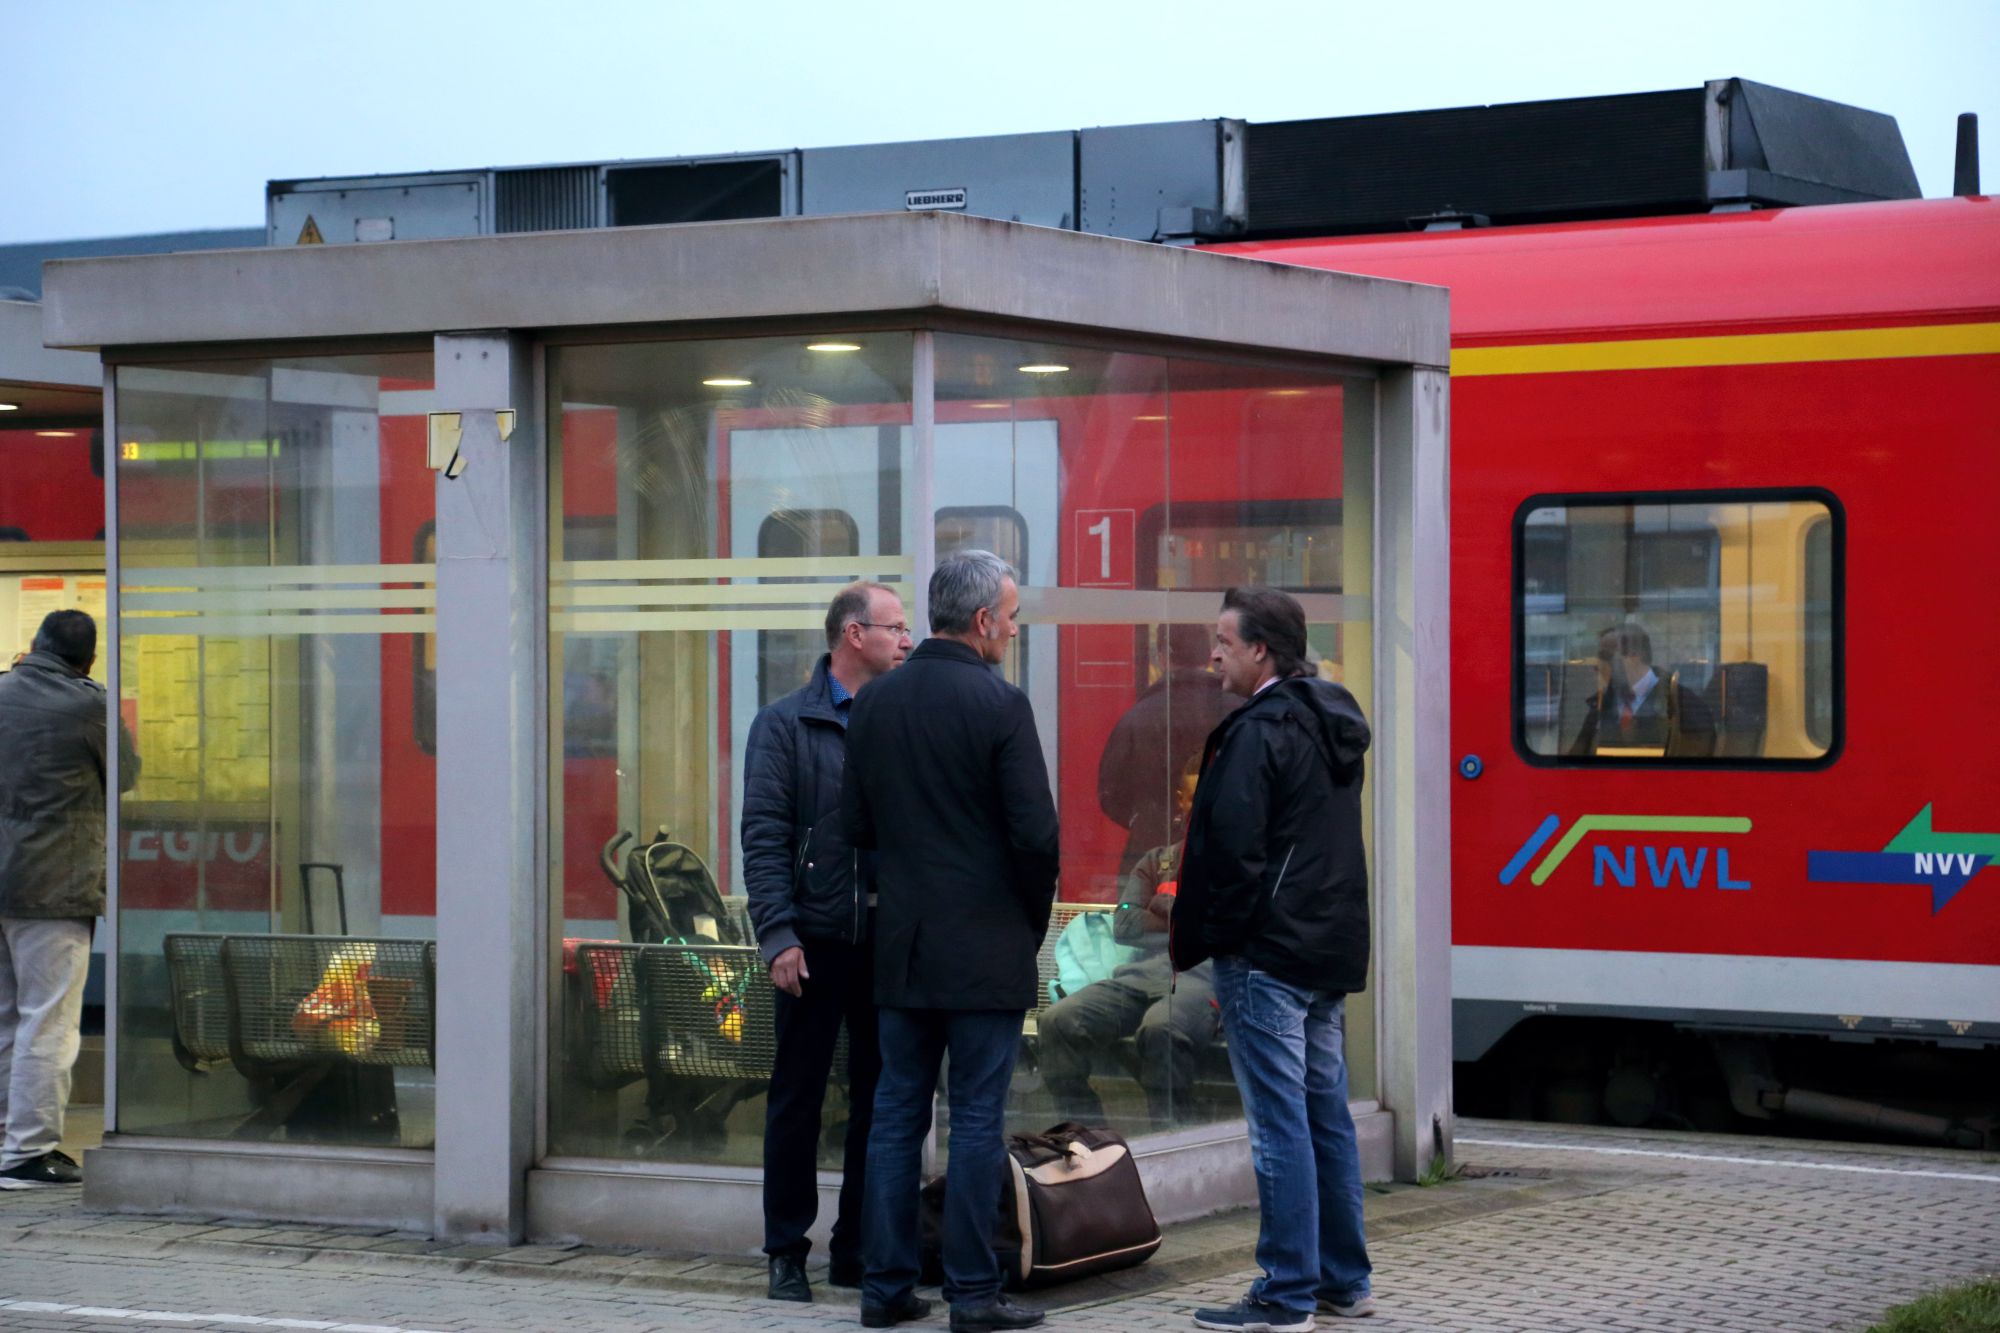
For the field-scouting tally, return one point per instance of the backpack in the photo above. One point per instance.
(1086, 952)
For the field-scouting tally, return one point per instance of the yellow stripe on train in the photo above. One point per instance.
(1748, 349)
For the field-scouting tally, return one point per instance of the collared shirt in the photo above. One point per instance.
(1265, 686)
(842, 700)
(1643, 687)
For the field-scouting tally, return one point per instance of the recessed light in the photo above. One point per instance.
(833, 347)
(1042, 368)
(57, 434)
(727, 382)
(10, 407)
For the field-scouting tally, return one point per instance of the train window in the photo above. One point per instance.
(1694, 628)
(1004, 532)
(785, 657)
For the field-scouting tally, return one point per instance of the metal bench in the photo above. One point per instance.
(243, 999)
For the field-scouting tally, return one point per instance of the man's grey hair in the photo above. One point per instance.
(962, 584)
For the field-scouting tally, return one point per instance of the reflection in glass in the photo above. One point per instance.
(1138, 489)
(278, 854)
(713, 497)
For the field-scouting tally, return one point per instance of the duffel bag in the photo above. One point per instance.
(1071, 1205)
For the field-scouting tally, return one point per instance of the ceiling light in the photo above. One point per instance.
(1288, 393)
(989, 407)
(57, 434)
(833, 347)
(1154, 417)
(727, 382)
(1042, 368)
(10, 407)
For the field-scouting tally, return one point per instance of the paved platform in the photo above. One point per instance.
(1547, 1229)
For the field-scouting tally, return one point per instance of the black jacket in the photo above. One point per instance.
(804, 880)
(52, 770)
(946, 778)
(1274, 869)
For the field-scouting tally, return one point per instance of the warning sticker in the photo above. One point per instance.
(309, 234)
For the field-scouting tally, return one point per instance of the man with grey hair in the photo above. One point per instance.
(945, 779)
(812, 901)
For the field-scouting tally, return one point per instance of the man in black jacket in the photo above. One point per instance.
(811, 900)
(946, 781)
(1274, 888)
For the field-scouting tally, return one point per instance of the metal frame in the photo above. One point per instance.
(924, 271)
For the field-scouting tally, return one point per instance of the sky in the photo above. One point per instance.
(127, 116)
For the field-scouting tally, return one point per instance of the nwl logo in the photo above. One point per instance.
(1665, 862)
(1663, 870)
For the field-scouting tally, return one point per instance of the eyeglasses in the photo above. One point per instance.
(899, 629)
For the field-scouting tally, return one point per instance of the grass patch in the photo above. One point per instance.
(1971, 1308)
(1440, 1170)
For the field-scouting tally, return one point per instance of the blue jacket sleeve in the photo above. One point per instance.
(770, 830)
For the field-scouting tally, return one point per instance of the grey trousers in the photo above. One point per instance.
(43, 964)
(1169, 1034)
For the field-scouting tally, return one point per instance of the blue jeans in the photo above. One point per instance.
(982, 1044)
(1285, 1046)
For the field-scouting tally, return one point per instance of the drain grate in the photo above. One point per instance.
(1503, 1173)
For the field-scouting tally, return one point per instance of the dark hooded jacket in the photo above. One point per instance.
(52, 773)
(1274, 870)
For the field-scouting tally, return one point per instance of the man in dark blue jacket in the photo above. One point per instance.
(947, 781)
(812, 901)
(1274, 888)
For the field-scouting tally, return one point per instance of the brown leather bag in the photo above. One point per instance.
(1074, 1206)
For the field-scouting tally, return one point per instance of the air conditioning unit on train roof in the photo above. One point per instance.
(1729, 144)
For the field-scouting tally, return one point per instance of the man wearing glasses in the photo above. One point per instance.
(812, 899)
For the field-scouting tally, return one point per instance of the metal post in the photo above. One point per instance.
(491, 745)
(920, 515)
(112, 640)
(1413, 771)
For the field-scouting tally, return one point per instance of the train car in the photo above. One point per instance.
(1752, 456)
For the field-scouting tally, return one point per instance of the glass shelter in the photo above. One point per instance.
(441, 651)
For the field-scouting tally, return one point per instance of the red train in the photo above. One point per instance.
(1774, 437)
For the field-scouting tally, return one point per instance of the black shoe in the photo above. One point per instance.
(1000, 1312)
(845, 1273)
(788, 1279)
(912, 1306)
(51, 1168)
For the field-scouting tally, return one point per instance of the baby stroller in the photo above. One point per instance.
(672, 898)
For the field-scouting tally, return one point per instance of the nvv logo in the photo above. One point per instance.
(1917, 855)
(1661, 860)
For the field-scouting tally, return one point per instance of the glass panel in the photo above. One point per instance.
(1691, 630)
(1131, 491)
(709, 499)
(278, 852)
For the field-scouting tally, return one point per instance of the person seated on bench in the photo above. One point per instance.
(1170, 1023)
(1635, 710)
